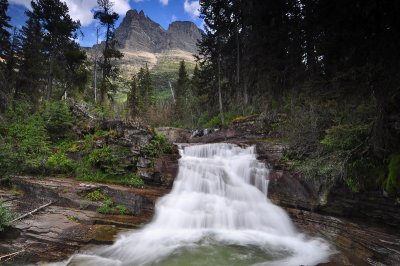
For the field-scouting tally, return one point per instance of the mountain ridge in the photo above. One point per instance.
(137, 32)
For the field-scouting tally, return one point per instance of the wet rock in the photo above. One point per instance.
(175, 135)
(143, 162)
(357, 243)
(167, 167)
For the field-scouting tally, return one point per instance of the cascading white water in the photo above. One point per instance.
(216, 214)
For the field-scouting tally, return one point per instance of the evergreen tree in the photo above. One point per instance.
(4, 47)
(182, 92)
(145, 88)
(59, 34)
(132, 101)
(13, 58)
(107, 18)
(4, 29)
(31, 78)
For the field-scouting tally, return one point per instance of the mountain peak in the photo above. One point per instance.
(139, 33)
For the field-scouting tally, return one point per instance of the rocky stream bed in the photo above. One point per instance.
(364, 228)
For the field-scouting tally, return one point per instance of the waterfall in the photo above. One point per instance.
(216, 214)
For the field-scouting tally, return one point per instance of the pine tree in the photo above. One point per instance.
(145, 89)
(4, 29)
(181, 92)
(31, 78)
(59, 34)
(4, 47)
(107, 18)
(132, 101)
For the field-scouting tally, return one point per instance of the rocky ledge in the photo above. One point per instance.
(70, 222)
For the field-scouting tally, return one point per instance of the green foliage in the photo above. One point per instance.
(58, 119)
(60, 163)
(95, 195)
(157, 146)
(6, 216)
(392, 185)
(216, 120)
(132, 180)
(100, 156)
(352, 184)
(30, 140)
(108, 207)
(9, 161)
(325, 168)
(121, 209)
(345, 137)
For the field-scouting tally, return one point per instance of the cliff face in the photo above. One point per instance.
(137, 32)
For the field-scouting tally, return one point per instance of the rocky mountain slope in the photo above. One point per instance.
(137, 32)
(143, 41)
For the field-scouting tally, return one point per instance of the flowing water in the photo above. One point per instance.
(216, 214)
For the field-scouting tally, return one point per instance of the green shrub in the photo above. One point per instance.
(9, 161)
(345, 137)
(122, 209)
(59, 120)
(157, 146)
(108, 207)
(216, 120)
(6, 216)
(30, 140)
(100, 156)
(59, 163)
(95, 196)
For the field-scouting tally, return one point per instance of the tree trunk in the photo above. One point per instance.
(50, 77)
(95, 66)
(221, 112)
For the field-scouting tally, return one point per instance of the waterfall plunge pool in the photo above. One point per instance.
(217, 213)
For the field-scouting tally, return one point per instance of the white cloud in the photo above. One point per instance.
(26, 3)
(82, 9)
(174, 18)
(164, 2)
(192, 8)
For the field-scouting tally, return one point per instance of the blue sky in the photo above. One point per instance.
(161, 11)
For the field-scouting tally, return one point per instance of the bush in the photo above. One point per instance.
(30, 140)
(6, 216)
(59, 163)
(157, 146)
(95, 196)
(216, 120)
(109, 207)
(8, 160)
(59, 120)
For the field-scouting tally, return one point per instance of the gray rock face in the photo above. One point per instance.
(137, 32)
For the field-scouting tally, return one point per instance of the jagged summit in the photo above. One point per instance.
(137, 32)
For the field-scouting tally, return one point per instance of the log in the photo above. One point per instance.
(11, 255)
(32, 212)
